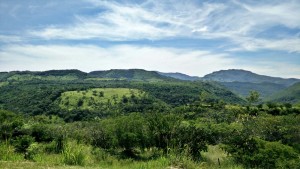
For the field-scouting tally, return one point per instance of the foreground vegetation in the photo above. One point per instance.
(132, 124)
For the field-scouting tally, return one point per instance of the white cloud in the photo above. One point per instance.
(234, 20)
(252, 44)
(90, 57)
(10, 38)
(156, 20)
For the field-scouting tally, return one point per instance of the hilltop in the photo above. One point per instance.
(238, 75)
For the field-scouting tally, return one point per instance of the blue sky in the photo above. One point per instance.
(193, 36)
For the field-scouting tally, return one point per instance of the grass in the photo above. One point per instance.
(79, 156)
(215, 158)
(92, 98)
(161, 163)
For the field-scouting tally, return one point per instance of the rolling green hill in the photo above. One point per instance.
(243, 88)
(235, 75)
(40, 92)
(289, 95)
(180, 76)
(92, 98)
(46, 75)
(130, 74)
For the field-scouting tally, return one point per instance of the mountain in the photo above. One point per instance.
(289, 95)
(130, 74)
(236, 75)
(180, 76)
(242, 82)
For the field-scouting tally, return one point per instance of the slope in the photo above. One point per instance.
(243, 88)
(180, 76)
(289, 95)
(129, 74)
(235, 75)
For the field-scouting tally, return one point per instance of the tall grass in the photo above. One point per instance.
(7, 152)
(75, 154)
(215, 158)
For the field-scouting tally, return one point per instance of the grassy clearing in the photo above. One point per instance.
(215, 158)
(92, 98)
(3, 83)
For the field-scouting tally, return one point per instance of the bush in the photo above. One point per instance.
(22, 143)
(31, 151)
(254, 152)
(274, 155)
(75, 154)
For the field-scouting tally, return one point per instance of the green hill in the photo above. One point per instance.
(235, 75)
(129, 74)
(180, 76)
(72, 74)
(243, 88)
(40, 92)
(289, 95)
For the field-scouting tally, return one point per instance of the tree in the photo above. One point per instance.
(253, 97)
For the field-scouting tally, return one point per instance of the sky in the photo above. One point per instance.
(195, 37)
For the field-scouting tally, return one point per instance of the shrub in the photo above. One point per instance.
(22, 143)
(255, 152)
(75, 154)
(31, 151)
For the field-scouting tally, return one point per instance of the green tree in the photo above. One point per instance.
(253, 97)
(132, 132)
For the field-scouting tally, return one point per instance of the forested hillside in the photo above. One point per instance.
(290, 95)
(235, 75)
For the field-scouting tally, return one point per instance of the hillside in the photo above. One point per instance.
(180, 76)
(129, 74)
(243, 88)
(39, 92)
(71, 74)
(235, 75)
(289, 95)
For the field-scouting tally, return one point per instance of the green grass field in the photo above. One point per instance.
(92, 98)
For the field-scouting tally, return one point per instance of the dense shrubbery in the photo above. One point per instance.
(262, 140)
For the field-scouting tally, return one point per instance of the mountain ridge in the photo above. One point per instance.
(240, 75)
